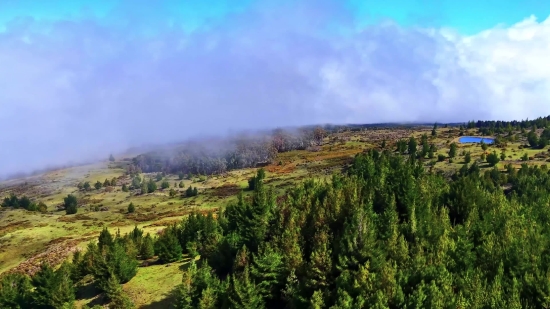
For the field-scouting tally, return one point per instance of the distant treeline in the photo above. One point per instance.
(490, 127)
(215, 157)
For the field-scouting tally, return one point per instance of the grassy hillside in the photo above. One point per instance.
(28, 238)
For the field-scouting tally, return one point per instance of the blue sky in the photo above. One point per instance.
(102, 74)
(466, 16)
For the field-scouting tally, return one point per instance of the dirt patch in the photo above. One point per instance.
(226, 190)
(57, 251)
(11, 227)
(164, 223)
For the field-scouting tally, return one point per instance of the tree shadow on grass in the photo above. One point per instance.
(166, 303)
(89, 292)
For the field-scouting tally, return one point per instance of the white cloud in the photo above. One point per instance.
(513, 65)
(84, 89)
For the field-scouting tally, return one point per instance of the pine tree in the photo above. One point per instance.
(209, 299)
(467, 158)
(147, 250)
(269, 272)
(117, 297)
(87, 186)
(453, 150)
(98, 185)
(53, 289)
(244, 293)
(71, 204)
(189, 192)
(131, 208)
(151, 186)
(316, 301)
(15, 291)
(105, 239)
(167, 246)
(412, 146)
(125, 188)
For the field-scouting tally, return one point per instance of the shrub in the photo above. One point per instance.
(71, 204)
(42, 207)
(441, 157)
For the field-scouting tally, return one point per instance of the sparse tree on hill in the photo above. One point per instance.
(71, 204)
(533, 139)
(113, 181)
(87, 186)
(159, 176)
(131, 208)
(173, 192)
(189, 192)
(165, 185)
(453, 150)
(493, 159)
(151, 186)
(144, 188)
(124, 188)
(98, 185)
(136, 182)
(181, 185)
(467, 158)
(502, 156)
(107, 183)
(425, 146)
(412, 146)
(434, 130)
(111, 158)
(401, 146)
(525, 157)
(195, 191)
(543, 142)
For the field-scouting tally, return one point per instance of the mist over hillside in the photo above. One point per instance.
(76, 89)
